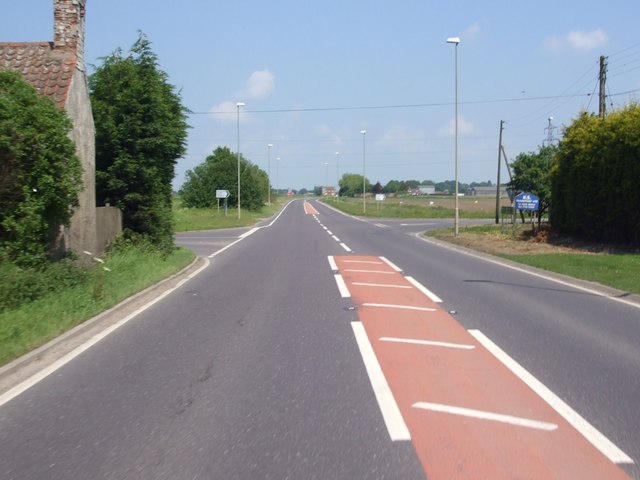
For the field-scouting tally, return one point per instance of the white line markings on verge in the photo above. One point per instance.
(424, 290)
(401, 307)
(383, 285)
(396, 427)
(496, 417)
(597, 439)
(345, 247)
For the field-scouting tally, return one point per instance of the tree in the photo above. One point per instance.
(351, 185)
(532, 173)
(219, 171)
(40, 175)
(378, 188)
(141, 131)
(395, 186)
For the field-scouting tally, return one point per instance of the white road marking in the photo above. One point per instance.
(342, 286)
(332, 263)
(391, 264)
(380, 285)
(384, 272)
(388, 407)
(380, 225)
(324, 228)
(402, 307)
(429, 343)
(482, 415)
(345, 247)
(335, 238)
(424, 289)
(250, 232)
(62, 361)
(363, 261)
(594, 436)
(329, 232)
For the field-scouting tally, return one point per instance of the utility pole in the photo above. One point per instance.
(498, 182)
(602, 106)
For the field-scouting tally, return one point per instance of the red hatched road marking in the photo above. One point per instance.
(309, 209)
(468, 415)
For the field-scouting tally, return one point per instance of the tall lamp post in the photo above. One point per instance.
(456, 42)
(277, 176)
(326, 166)
(269, 145)
(364, 178)
(337, 177)
(238, 105)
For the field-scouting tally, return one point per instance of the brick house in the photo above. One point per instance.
(57, 69)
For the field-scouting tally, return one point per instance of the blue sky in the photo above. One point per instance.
(314, 74)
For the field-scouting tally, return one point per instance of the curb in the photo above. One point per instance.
(30, 363)
(597, 288)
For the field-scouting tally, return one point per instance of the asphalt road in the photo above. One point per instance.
(251, 370)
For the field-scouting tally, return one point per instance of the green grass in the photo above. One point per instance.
(190, 219)
(397, 208)
(25, 327)
(621, 271)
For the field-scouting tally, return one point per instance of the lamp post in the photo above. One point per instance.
(364, 181)
(337, 177)
(277, 176)
(269, 145)
(326, 166)
(456, 42)
(238, 105)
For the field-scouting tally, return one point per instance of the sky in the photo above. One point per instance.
(314, 74)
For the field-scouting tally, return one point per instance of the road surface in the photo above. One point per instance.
(323, 346)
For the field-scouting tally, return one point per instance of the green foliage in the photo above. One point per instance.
(595, 183)
(351, 185)
(532, 173)
(20, 285)
(40, 175)
(219, 171)
(141, 131)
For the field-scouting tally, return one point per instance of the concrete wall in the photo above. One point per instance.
(108, 227)
(81, 235)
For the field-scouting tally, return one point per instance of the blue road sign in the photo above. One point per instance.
(527, 201)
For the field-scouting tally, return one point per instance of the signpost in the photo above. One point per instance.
(379, 198)
(222, 194)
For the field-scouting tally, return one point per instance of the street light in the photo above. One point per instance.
(326, 166)
(456, 42)
(337, 177)
(269, 145)
(277, 176)
(364, 181)
(238, 105)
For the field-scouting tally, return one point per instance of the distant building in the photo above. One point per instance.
(328, 191)
(487, 191)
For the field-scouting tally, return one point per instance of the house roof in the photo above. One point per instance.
(49, 70)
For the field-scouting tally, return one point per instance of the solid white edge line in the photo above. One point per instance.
(482, 415)
(250, 232)
(62, 361)
(345, 247)
(332, 263)
(391, 264)
(342, 286)
(396, 427)
(402, 307)
(424, 289)
(429, 343)
(594, 436)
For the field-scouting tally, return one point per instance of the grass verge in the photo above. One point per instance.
(621, 271)
(564, 256)
(132, 269)
(191, 219)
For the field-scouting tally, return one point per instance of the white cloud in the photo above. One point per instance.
(577, 40)
(465, 127)
(260, 85)
(472, 32)
(227, 112)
